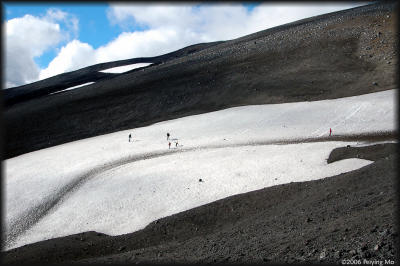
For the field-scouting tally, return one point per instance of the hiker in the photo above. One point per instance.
(167, 136)
(169, 145)
(330, 131)
(176, 144)
(130, 136)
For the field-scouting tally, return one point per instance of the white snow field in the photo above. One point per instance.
(113, 186)
(71, 88)
(122, 69)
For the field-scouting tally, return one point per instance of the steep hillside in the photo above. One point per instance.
(88, 74)
(340, 54)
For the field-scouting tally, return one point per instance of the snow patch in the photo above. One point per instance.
(122, 69)
(71, 88)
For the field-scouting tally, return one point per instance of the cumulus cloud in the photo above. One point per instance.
(72, 56)
(29, 37)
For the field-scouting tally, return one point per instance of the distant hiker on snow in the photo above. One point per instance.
(167, 136)
(169, 145)
(330, 131)
(130, 136)
(176, 144)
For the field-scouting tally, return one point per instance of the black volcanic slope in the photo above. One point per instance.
(88, 74)
(330, 56)
(348, 216)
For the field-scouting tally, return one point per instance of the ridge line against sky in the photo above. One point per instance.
(63, 37)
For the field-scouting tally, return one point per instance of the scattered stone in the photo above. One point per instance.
(337, 254)
(308, 220)
(348, 146)
(122, 248)
(376, 247)
(200, 180)
(322, 255)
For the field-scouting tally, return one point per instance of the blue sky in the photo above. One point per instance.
(68, 36)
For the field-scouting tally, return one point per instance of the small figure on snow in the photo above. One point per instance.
(167, 136)
(176, 144)
(169, 145)
(330, 131)
(130, 136)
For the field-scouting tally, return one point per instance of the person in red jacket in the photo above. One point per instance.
(169, 145)
(330, 131)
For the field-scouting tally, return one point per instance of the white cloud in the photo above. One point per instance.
(19, 63)
(72, 56)
(29, 37)
(38, 33)
(71, 21)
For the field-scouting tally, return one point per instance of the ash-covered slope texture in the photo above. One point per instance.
(88, 74)
(346, 53)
